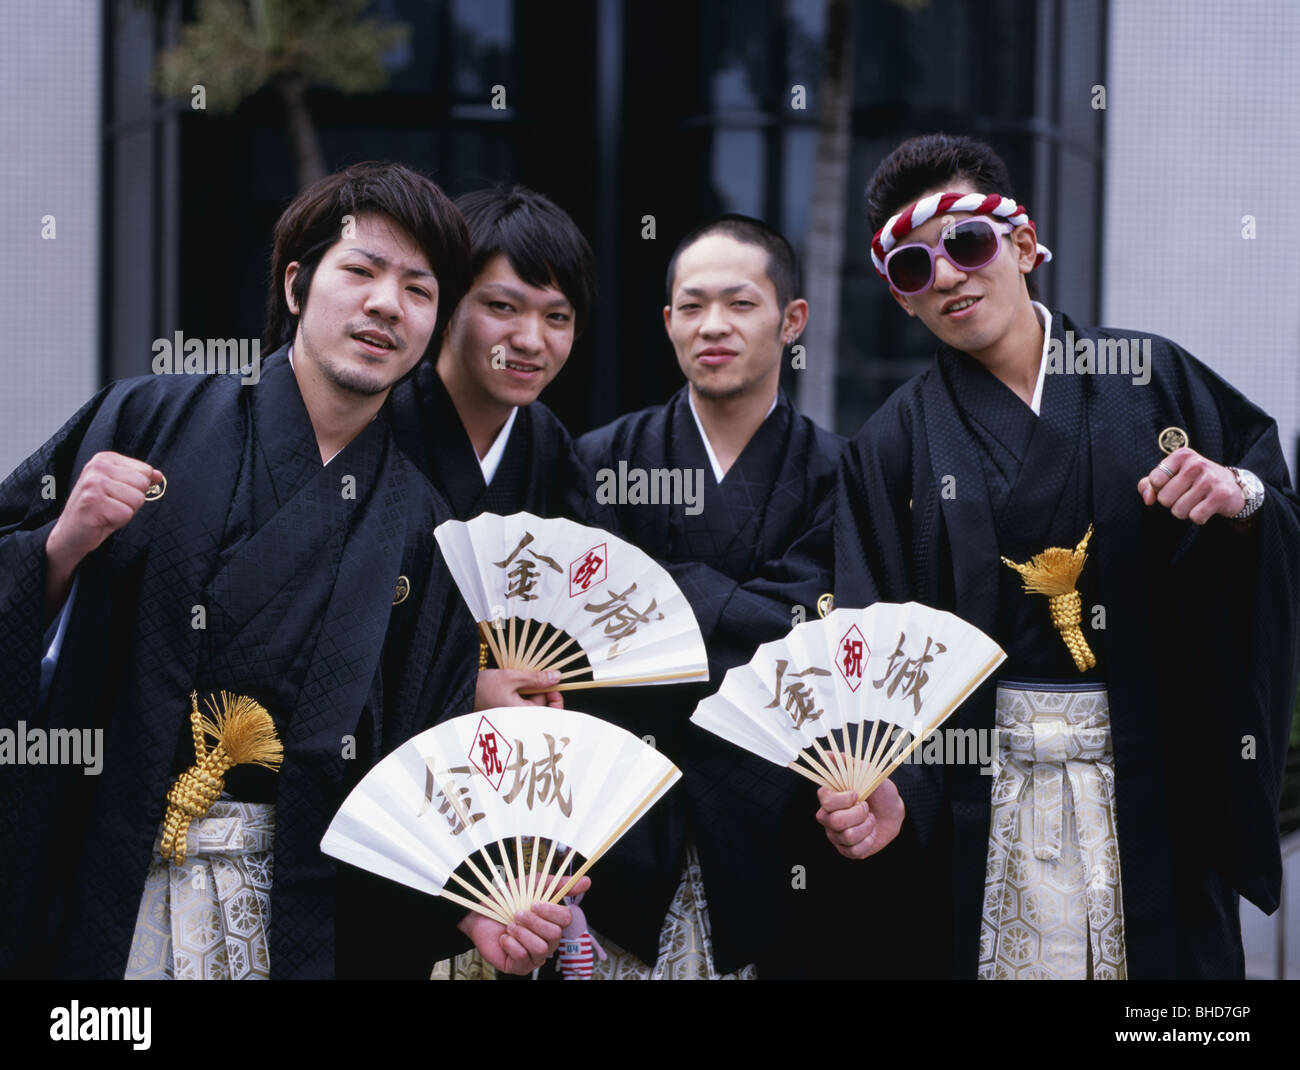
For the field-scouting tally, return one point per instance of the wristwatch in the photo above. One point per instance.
(1252, 490)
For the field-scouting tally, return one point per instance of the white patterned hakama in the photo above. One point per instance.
(1052, 900)
(208, 918)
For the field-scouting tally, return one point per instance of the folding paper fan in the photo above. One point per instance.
(552, 594)
(498, 786)
(883, 678)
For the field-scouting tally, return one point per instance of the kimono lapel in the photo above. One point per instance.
(282, 431)
(746, 491)
(333, 695)
(285, 539)
(968, 518)
(304, 605)
(959, 481)
(1002, 425)
(516, 481)
(1054, 450)
(734, 510)
(679, 446)
(429, 430)
(1032, 459)
(361, 600)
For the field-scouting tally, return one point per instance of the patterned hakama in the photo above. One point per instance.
(1052, 901)
(208, 918)
(685, 942)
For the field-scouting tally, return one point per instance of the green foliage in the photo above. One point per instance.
(238, 46)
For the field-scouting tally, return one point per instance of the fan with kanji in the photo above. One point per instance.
(553, 594)
(846, 699)
(490, 809)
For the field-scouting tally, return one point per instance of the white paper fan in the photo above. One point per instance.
(541, 588)
(873, 682)
(471, 785)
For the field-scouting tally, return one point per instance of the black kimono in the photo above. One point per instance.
(759, 547)
(538, 472)
(1194, 628)
(260, 572)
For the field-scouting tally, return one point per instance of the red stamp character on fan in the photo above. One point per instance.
(590, 568)
(486, 754)
(853, 656)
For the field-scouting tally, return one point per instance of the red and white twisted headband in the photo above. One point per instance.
(911, 217)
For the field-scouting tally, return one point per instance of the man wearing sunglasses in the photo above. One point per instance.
(1143, 708)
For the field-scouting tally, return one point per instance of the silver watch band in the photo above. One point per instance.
(1252, 492)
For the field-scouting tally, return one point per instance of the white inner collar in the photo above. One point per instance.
(718, 473)
(1045, 319)
(491, 460)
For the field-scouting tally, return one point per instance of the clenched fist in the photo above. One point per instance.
(1197, 490)
(107, 494)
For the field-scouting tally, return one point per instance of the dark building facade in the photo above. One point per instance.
(638, 119)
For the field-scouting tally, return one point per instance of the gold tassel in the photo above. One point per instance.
(482, 655)
(1054, 573)
(245, 735)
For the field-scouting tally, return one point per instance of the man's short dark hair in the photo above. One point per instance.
(929, 162)
(543, 245)
(782, 266)
(315, 221)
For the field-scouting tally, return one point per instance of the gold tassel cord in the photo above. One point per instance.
(245, 735)
(1054, 573)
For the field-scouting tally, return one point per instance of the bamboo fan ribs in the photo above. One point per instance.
(552, 594)
(490, 809)
(845, 700)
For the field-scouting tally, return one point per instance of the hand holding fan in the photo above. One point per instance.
(468, 787)
(893, 673)
(572, 587)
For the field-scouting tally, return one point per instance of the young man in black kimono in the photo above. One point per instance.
(1141, 746)
(189, 534)
(741, 545)
(471, 420)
